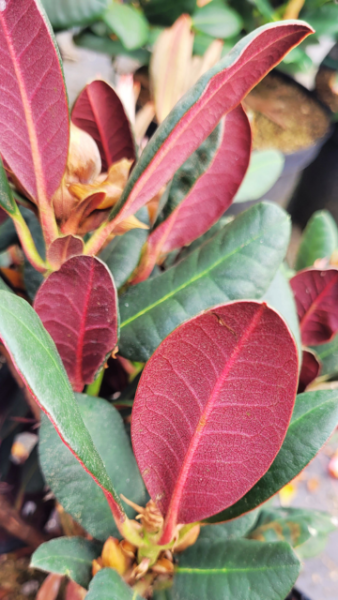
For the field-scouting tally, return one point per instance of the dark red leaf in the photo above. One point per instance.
(99, 111)
(34, 113)
(209, 198)
(78, 307)
(316, 295)
(212, 409)
(64, 248)
(309, 371)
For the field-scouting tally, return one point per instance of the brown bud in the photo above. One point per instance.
(113, 557)
(188, 539)
(163, 566)
(128, 549)
(97, 565)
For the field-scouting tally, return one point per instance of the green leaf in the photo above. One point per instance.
(73, 487)
(206, 236)
(237, 263)
(319, 240)
(165, 12)
(236, 570)
(293, 525)
(4, 287)
(64, 14)
(71, 556)
(108, 46)
(108, 585)
(323, 19)
(280, 297)
(123, 253)
(314, 418)
(265, 168)
(228, 531)
(32, 278)
(8, 235)
(190, 171)
(128, 24)
(36, 359)
(7, 201)
(217, 19)
(328, 356)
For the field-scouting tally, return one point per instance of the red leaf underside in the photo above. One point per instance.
(212, 193)
(309, 371)
(99, 111)
(316, 296)
(34, 113)
(222, 93)
(212, 409)
(78, 307)
(64, 248)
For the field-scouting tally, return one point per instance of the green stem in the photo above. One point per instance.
(93, 389)
(27, 242)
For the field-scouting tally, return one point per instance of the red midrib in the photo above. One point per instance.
(317, 301)
(79, 349)
(174, 506)
(185, 122)
(35, 154)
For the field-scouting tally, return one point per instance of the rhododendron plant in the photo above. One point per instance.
(216, 428)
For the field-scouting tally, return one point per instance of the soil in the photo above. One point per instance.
(17, 580)
(284, 115)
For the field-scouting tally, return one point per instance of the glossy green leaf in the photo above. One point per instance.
(231, 530)
(36, 359)
(71, 556)
(109, 46)
(217, 19)
(319, 240)
(108, 585)
(206, 236)
(328, 356)
(236, 570)
(7, 201)
(73, 487)
(123, 253)
(280, 297)
(293, 525)
(190, 171)
(128, 23)
(265, 168)
(64, 14)
(324, 19)
(165, 12)
(8, 235)
(32, 278)
(4, 287)
(314, 418)
(239, 262)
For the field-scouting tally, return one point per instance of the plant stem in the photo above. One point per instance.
(93, 389)
(27, 242)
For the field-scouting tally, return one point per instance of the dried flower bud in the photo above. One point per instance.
(128, 549)
(188, 539)
(163, 566)
(113, 557)
(97, 565)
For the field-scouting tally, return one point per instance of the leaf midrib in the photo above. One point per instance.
(199, 275)
(222, 570)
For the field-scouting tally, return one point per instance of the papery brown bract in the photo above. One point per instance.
(99, 111)
(83, 167)
(316, 296)
(78, 307)
(212, 409)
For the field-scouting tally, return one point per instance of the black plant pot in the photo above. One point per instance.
(318, 186)
(297, 595)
